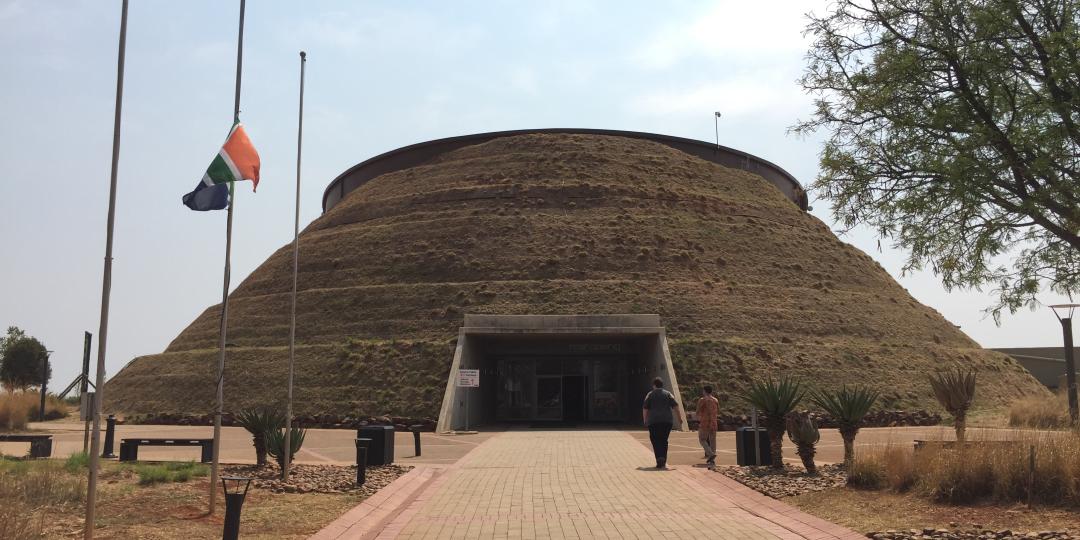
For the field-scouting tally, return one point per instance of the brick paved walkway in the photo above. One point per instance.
(572, 484)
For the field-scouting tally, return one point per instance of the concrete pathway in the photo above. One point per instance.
(571, 484)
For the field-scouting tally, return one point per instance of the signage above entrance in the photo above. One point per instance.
(468, 378)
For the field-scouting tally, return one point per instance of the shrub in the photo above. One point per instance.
(802, 431)
(275, 444)
(775, 399)
(955, 390)
(847, 406)
(258, 422)
(173, 471)
(77, 462)
(152, 474)
(1041, 412)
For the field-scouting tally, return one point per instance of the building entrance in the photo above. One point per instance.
(574, 369)
(568, 388)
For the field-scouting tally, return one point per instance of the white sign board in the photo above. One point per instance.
(86, 407)
(468, 378)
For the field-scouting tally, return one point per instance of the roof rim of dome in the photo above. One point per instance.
(416, 154)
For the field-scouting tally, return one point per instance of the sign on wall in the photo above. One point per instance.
(468, 378)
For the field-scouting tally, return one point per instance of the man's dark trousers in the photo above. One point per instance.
(658, 436)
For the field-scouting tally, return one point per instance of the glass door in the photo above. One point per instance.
(549, 397)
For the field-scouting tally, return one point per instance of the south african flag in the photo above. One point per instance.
(237, 160)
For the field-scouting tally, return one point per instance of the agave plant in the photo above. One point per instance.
(775, 399)
(955, 390)
(259, 422)
(802, 431)
(275, 443)
(847, 406)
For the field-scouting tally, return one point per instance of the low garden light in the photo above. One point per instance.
(236, 488)
(1064, 313)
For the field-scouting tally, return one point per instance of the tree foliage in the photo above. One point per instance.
(954, 131)
(21, 358)
(775, 398)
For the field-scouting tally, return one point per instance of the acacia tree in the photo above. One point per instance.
(21, 359)
(954, 130)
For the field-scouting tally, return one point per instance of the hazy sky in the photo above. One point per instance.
(380, 75)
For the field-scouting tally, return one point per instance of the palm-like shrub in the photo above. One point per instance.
(802, 431)
(259, 422)
(275, 444)
(847, 406)
(775, 399)
(955, 390)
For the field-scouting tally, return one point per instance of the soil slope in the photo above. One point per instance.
(745, 282)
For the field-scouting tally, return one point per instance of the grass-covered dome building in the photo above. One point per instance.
(569, 267)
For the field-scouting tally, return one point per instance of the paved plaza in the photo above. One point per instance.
(537, 483)
(571, 484)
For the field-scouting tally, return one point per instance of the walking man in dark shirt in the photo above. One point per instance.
(659, 413)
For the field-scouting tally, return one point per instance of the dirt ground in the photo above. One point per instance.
(867, 511)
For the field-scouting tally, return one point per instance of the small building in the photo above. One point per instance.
(1046, 364)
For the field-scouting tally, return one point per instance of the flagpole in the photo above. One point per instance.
(296, 267)
(215, 465)
(106, 286)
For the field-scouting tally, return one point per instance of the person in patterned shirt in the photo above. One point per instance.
(707, 410)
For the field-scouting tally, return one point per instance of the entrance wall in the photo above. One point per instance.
(482, 338)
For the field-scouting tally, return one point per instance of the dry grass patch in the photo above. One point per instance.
(45, 498)
(1040, 412)
(1028, 467)
(889, 466)
(30, 491)
(18, 408)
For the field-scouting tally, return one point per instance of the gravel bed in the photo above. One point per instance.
(318, 478)
(789, 482)
(973, 533)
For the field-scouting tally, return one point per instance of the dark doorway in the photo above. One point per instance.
(573, 398)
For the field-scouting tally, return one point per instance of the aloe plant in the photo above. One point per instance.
(275, 444)
(847, 406)
(259, 422)
(955, 390)
(802, 431)
(775, 399)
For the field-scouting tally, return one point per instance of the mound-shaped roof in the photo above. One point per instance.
(744, 281)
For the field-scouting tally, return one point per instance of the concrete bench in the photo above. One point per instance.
(129, 448)
(951, 445)
(40, 445)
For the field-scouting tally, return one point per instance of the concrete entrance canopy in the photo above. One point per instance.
(550, 368)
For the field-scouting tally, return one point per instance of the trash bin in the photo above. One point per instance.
(381, 451)
(744, 446)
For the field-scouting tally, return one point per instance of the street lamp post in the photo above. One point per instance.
(1064, 313)
(44, 382)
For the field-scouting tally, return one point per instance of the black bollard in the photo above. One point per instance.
(110, 434)
(416, 439)
(361, 460)
(234, 501)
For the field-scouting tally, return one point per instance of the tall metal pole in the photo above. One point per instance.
(716, 128)
(44, 384)
(295, 269)
(106, 285)
(214, 466)
(82, 389)
(1070, 370)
